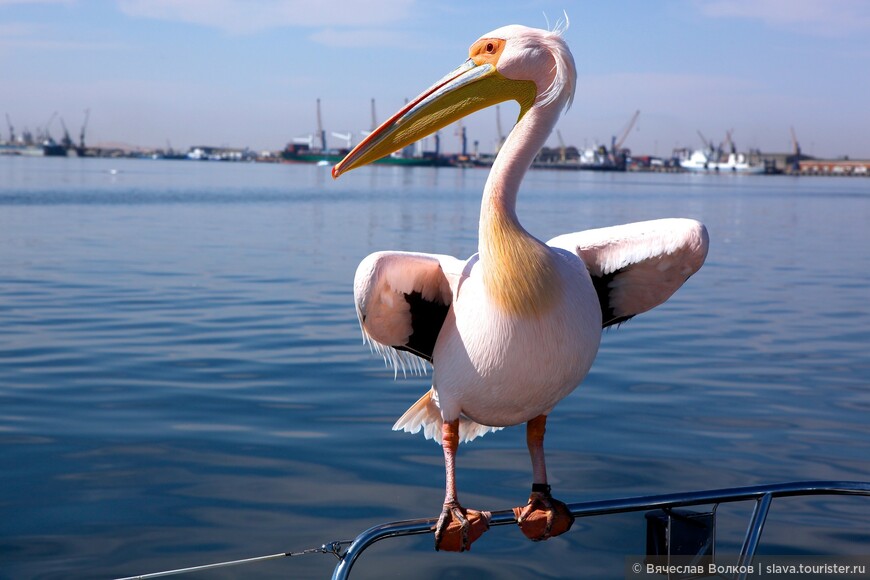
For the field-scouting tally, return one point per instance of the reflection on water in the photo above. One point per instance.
(182, 378)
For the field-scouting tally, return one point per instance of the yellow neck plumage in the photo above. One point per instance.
(519, 273)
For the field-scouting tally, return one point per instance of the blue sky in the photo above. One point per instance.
(247, 73)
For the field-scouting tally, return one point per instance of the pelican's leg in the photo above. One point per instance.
(535, 430)
(457, 527)
(543, 516)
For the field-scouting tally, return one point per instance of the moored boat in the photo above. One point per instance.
(709, 162)
(301, 154)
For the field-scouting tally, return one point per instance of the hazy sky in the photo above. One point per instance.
(247, 73)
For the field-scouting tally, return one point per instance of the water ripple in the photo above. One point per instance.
(182, 377)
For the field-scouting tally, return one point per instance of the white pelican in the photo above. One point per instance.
(514, 328)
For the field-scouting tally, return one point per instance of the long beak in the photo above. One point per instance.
(467, 89)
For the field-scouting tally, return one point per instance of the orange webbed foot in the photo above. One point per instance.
(543, 517)
(458, 528)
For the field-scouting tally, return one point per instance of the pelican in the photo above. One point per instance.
(513, 329)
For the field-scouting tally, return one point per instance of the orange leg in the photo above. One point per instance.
(543, 516)
(457, 527)
(535, 430)
(450, 443)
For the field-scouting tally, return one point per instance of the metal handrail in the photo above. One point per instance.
(762, 494)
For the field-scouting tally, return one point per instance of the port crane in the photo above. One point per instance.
(46, 133)
(562, 154)
(499, 130)
(374, 125)
(729, 141)
(463, 136)
(320, 130)
(307, 140)
(66, 141)
(346, 137)
(11, 129)
(617, 157)
(84, 126)
(796, 161)
(617, 144)
(321, 134)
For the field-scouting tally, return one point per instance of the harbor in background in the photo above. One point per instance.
(711, 157)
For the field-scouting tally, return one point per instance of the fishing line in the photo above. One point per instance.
(334, 548)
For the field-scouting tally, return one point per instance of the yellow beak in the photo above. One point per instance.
(469, 88)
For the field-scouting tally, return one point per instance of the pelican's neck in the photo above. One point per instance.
(517, 268)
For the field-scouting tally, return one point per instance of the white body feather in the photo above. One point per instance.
(501, 369)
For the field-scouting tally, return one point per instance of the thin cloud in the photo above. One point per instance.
(247, 17)
(17, 29)
(32, 2)
(17, 35)
(47, 44)
(682, 90)
(360, 37)
(830, 18)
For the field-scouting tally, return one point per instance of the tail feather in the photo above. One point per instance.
(469, 430)
(426, 416)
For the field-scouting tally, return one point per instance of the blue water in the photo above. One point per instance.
(182, 377)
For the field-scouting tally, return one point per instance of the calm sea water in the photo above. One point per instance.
(182, 378)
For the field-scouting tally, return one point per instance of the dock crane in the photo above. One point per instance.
(562, 154)
(499, 130)
(66, 141)
(796, 160)
(320, 131)
(463, 136)
(370, 130)
(11, 129)
(617, 157)
(617, 144)
(47, 130)
(306, 140)
(346, 137)
(82, 133)
(730, 141)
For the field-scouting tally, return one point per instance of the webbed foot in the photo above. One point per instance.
(543, 517)
(458, 528)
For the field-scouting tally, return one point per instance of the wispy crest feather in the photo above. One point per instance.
(566, 71)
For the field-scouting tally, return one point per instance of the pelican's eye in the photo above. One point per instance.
(485, 50)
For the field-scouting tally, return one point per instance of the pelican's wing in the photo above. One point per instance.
(636, 267)
(402, 299)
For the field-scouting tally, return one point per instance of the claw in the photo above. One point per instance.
(543, 516)
(458, 528)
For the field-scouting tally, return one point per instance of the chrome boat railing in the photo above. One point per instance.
(763, 495)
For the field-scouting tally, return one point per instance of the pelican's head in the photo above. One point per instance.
(531, 66)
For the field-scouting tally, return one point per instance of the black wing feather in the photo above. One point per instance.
(602, 288)
(427, 318)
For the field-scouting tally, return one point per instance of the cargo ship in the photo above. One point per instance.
(295, 153)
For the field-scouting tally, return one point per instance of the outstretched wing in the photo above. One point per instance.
(402, 299)
(635, 267)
